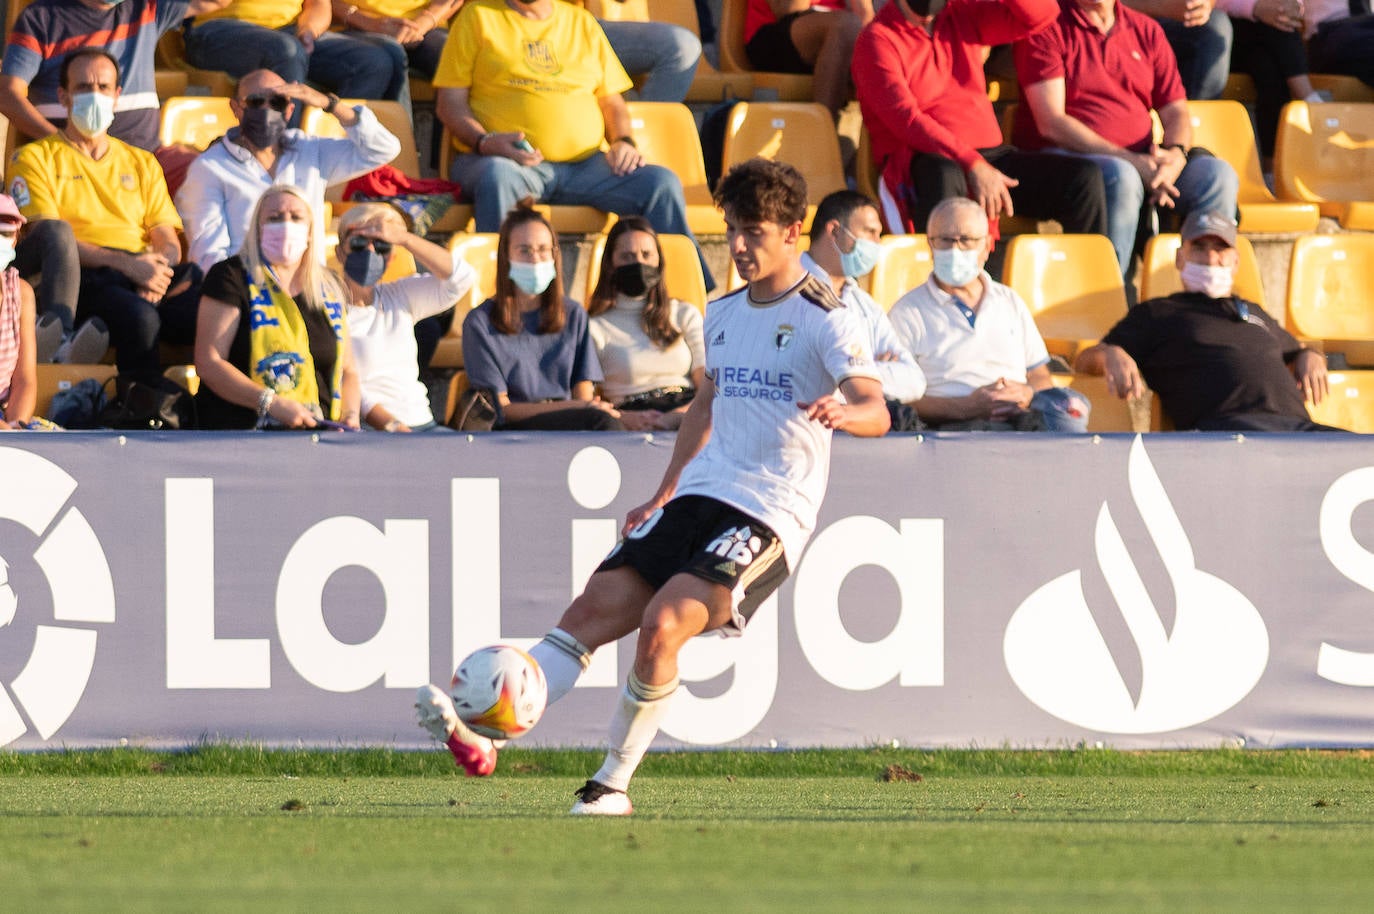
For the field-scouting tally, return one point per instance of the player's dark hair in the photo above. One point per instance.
(82, 54)
(505, 316)
(839, 206)
(657, 317)
(762, 190)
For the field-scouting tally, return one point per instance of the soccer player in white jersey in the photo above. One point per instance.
(741, 492)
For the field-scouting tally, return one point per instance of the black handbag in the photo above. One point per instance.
(477, 411)
(148, 407)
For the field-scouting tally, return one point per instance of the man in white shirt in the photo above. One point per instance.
(986, 366)
(845, 248)
(743, 487)
(224, 183)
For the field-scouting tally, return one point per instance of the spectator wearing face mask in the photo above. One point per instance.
(272, 342)
(382, 315)
(224, 183)
(986, 366)
(528, 346)
(650, 345)
(115, 198)
(844, 248)
(1216, 361)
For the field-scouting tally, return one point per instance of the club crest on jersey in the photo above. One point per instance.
(783, 338)
(738, 544)
(541, 58)
(127, 182)
(281, 369)
(19, 190)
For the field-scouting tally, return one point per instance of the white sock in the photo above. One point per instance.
(633, 727)
(563, 659)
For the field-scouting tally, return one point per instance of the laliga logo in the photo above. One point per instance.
(1210, 659)
(51, 684)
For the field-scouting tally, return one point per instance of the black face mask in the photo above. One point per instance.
(364, 267)
(262, 127)
(925, 7)
(634, 279)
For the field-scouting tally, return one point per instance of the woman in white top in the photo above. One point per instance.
(383, 317)
(650, 346)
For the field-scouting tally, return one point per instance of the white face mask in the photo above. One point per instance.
(957, 267)
(1212, 281)
(285, 242)
(6, 252)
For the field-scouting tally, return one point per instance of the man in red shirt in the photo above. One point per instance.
(1088, 84)
(807, 36)
(918, 73)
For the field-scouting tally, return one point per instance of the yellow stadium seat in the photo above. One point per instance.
(681, 269)
(479, 250)
(391, 115)
(1072, 285)
(1109, 413)
(1342, 88)
(1349, 404)
(170, 83)
(730, 37)
(185, 375)
(1224, 128)
(584, 220)
(708, 83)
(799, 133)
(1324, 154)
(666, 133)
(196, 120)
(1240, 87)
(1330, 281)
(905, 264)
(53, 377)
(1159, 277)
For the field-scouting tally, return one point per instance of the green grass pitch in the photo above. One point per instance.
(232, 828)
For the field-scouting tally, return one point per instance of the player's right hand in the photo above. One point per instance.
(637, 516)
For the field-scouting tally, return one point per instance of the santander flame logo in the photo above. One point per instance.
(1202, 664)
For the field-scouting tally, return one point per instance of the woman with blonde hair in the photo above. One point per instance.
(528, 345)
(272, 344)
(649, 344)
(382, 316)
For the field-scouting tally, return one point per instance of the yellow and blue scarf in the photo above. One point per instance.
(279, 346)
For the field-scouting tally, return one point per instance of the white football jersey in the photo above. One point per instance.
(764, 456)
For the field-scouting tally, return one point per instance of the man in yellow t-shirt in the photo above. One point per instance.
(530, 89)
(115, 198)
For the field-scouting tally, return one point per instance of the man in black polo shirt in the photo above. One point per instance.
(1217, 361)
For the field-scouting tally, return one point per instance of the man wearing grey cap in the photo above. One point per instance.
(1216, 361)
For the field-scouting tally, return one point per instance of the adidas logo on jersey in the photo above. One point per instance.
(719, 340)
(739, 544)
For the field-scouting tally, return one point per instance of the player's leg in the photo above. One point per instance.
(685, 607)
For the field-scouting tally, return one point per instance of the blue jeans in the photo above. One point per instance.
(1203, 52)
(1206, 183)
(352, 64)
(1062, 409)
(496, 184)
(49, 249)
(667, 53)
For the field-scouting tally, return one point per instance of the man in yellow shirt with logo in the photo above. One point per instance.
(115, 198)
(530, 90)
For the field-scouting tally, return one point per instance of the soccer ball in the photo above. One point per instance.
(499, 691)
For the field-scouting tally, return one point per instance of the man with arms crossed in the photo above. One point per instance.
(716, 538)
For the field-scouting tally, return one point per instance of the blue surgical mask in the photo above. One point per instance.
(957, 267)
(532, 278)
(6, 252)
(364, 267)
(862, 258)
(92, 113)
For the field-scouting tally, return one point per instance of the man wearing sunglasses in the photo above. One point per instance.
(224, 183)
(1216, 361)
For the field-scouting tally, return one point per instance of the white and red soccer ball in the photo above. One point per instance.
(499, 691)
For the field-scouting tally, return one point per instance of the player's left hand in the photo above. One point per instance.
(828, 411)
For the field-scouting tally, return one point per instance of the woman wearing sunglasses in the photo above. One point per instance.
(382, 316)
(650, 345)
(272, 346)
(528, 345)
